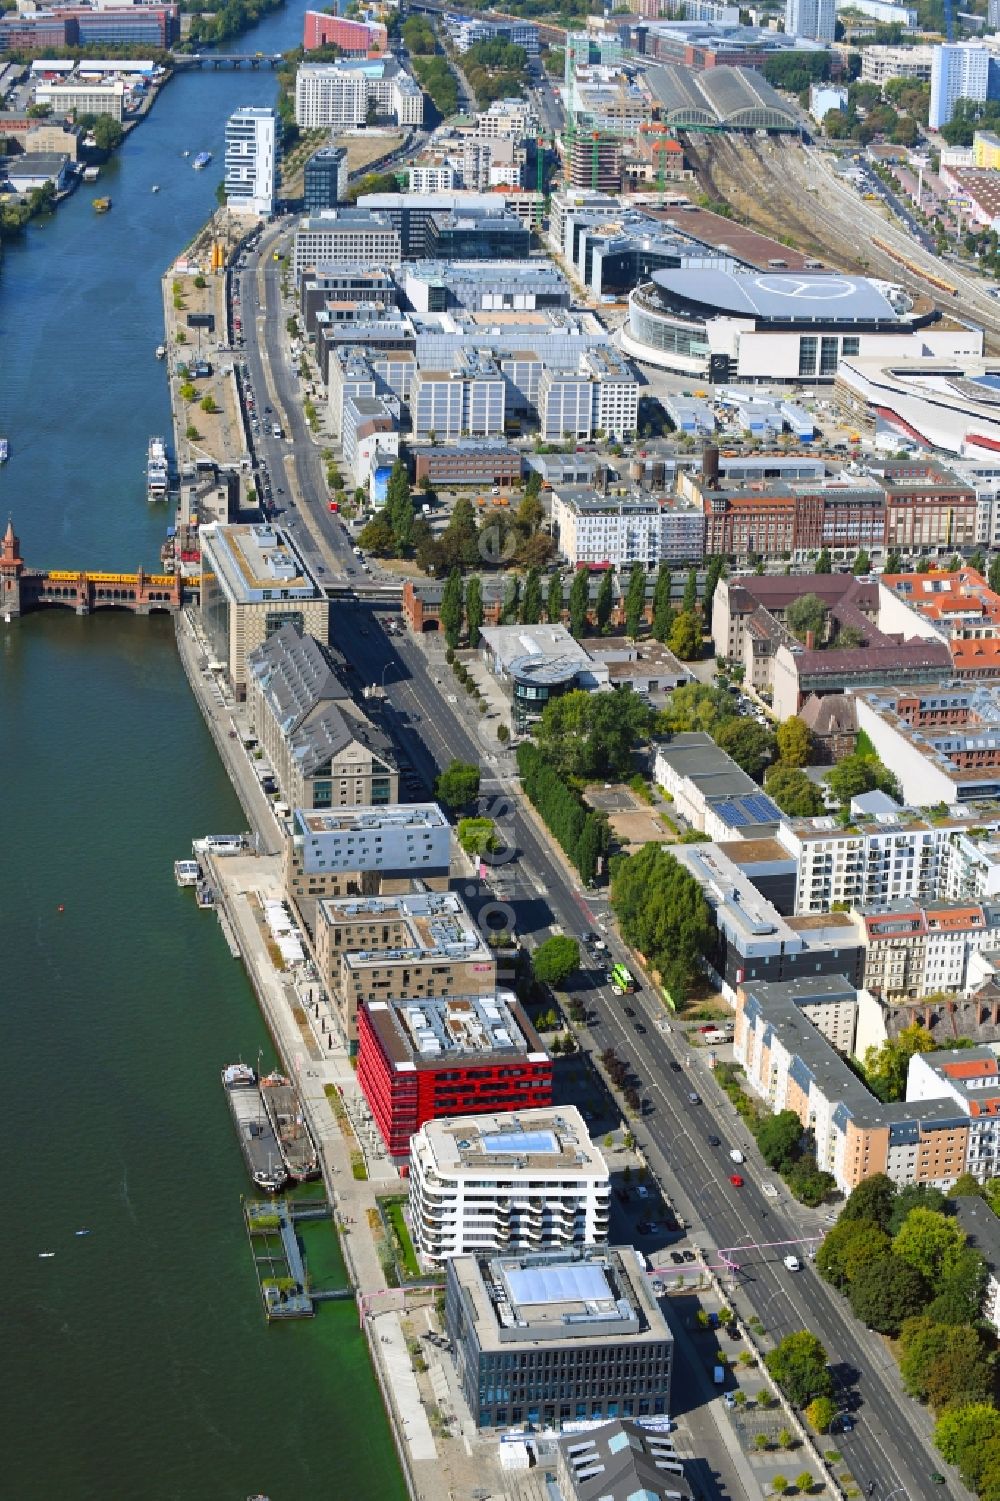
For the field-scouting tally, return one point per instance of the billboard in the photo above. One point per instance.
(380, 484)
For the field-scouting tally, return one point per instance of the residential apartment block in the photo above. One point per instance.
(344, 235)
(942, 742)
(559, 1337)
(337, 95)
(594, 528)
(416, 944)
(982, 1229)
(441, 1056)
(531, 1180)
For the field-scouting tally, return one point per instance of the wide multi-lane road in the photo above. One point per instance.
(888, 1446)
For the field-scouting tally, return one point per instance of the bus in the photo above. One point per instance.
(622, 982)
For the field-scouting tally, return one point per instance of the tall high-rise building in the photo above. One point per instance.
(813, 19)
(252, 154)
(959, 70)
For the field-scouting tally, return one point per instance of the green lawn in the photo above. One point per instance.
(394, 1213)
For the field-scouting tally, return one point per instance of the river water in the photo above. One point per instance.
(135, 1362)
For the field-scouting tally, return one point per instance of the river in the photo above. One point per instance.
(135, 1361)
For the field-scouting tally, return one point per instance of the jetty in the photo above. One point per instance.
(278, 1260)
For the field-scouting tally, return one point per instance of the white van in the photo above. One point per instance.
(737, 1155)
(793, 1264)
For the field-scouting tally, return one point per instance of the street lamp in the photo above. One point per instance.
(385, 669)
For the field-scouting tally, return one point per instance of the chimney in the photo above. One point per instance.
(710, 466)
(810, 640)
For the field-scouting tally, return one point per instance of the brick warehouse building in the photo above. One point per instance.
(421, 1060)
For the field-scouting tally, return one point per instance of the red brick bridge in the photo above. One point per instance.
(23, 589)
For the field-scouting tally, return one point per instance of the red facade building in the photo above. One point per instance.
(433, 1058)
(354, 38)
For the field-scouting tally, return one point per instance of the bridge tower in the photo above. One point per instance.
(11, 568)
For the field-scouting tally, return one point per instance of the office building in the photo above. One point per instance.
(344, 235)
(482, 461)
(813, 19)
(466, 31)
(337, 95)
(531, 1180)
(364, 852)
(557, 1338)
(324, 752)
(253, 145)
(888, 12)
(369, 436)
(324, 179)
(592, 528)
(467, 402)
(419, 1060)
(420, 945)
(477, 286)
(253, 581)
(620, 1461)
(83, 98)
(959, 70)
(353, 38)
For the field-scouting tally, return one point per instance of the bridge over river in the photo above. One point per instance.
(23, 589)
(220, 60)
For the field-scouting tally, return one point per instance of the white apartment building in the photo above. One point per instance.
(879, 64)
(326, 95)
(969, 1077)
(506, 117)
(83, 98)
(531, 1180)
(814, 19)
(959, 70)
(592, 528)
(345, 235)
(432, 177)
(252, 155)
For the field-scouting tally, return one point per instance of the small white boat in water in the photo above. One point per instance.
(155, 188)
(46, 1255)
(81, 1232)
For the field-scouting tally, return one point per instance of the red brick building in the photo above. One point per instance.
(354, 38)
(443, 1056)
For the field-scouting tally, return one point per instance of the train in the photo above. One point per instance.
(911, 266)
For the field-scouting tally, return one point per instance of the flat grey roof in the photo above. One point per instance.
(812, 296)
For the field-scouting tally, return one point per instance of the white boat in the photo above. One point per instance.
(4, 450)
(157, 471)
(46, 1255)
(155, 188)
(187, 872)
(220, 844)
(161, 351)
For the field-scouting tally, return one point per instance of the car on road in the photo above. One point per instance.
(736, 1155)
(714, 1141)
(688, 1255)
(695, 1099)
(640, 1028)
(642, 1191)
(629, 1010)
(736, 1180)
(792, 1263)
(675, 1066)
(642, 1228)
(677, 1258)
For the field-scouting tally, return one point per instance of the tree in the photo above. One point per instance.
(474, 608)
(793, 792)
(579, 602)
(794, 741)
(850, 1245)
(821, 1413)
(887, 1292)
(663, 613)
(750, 744)
(458, 785)
(635, 600)
(966, 1435)
(779, 1484)
(399, 506)
(872, 1200)
(554, 600)
(804, 1482)
(663, 913)
(930, 1242)
(592, 735)
(993, 577)
(511, 599)
(555, 960)
(961, 1292)
(605, 599)
(893, 561)
(780, 1139)
(530, 513)
(695, 706)
(806, 614)
(690, 600)
(798, 1365)
(914, 1196)
(886, 1067)
(850, 638)
(862, 563)
(713, 573)
(857, 774)
(823, 563)
(685, 636)
(452, 608)
(531, 605)
(942, 1363)
(477, 836)
(459, 544)
(591, 847)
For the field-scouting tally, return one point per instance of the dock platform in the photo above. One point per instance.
(277, 1259)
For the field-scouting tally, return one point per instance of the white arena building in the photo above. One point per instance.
(730, 326)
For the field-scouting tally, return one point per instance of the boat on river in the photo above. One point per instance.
(287, 1118)
(157, 470)
(102, 205)
(4, 450)
(258, 1142)
(201, 161)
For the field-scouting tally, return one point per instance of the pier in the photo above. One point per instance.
(278, 1260)
(23, 588)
